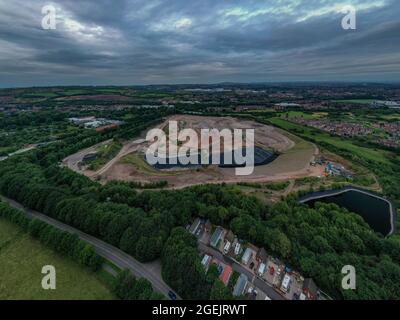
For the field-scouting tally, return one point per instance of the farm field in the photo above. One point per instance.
(41, 95)
(355, 101)
(22, 259)
(305, 115)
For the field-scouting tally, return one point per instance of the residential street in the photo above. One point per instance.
(111, 253)
(269, 290)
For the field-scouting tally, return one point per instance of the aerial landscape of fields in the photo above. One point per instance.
(181, 158)
(92, 174)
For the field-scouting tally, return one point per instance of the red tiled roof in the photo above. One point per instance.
(226, 274)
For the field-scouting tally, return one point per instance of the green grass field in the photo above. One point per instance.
(105, 153)
(344, 144)
(21, 262)
(305, 115)
(142, 166)
(75, 92)
(41, 95)
(355, 101)
(394, 116)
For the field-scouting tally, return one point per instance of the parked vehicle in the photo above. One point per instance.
(227, 247)
(172, 295)
(237, 249)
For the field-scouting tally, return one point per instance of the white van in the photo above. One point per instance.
(237, 249)
(227, 247)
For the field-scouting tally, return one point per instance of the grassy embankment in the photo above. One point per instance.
(344, 144)
(142, 166)
(355, 101)
(21, 260)
(105, 153)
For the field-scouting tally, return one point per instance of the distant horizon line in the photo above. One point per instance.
(206, 84)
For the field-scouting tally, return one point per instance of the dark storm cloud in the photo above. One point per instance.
(182, 41)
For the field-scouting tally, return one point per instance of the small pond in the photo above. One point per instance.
(379, 213)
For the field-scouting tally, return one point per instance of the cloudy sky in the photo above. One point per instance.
(111, 42)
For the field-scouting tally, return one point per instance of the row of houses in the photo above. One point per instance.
(242, 286)
(285, 281)
(225, 270)
(343, 129)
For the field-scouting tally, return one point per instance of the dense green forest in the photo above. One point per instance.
(127, 287)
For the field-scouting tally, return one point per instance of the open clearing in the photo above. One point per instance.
(305, 115)
(319, 136)
(21, 262)
(355, 101)
(295, 155)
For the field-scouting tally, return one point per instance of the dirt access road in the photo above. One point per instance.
(293, 162)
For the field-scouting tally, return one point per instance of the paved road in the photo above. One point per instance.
(113, 254)
(268, 289)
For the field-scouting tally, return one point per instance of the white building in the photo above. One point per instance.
(249, 253)
(286, 283)
(261, 269)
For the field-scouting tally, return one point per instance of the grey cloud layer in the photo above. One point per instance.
(193, 41)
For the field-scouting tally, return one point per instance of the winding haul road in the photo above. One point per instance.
(111, 253)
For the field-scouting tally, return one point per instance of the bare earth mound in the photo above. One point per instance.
(130, 165)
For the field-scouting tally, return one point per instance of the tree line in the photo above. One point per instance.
(128, 287)
(60, 241)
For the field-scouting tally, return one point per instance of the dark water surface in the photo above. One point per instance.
(261, 157)
(375, 211)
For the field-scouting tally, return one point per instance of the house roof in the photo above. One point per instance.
(262, 254)
(310, 286)
(194, 225)
(226, 274)
(240, 284)
(216, 236)
(208, 224)
(247, 254)
(230, 236)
